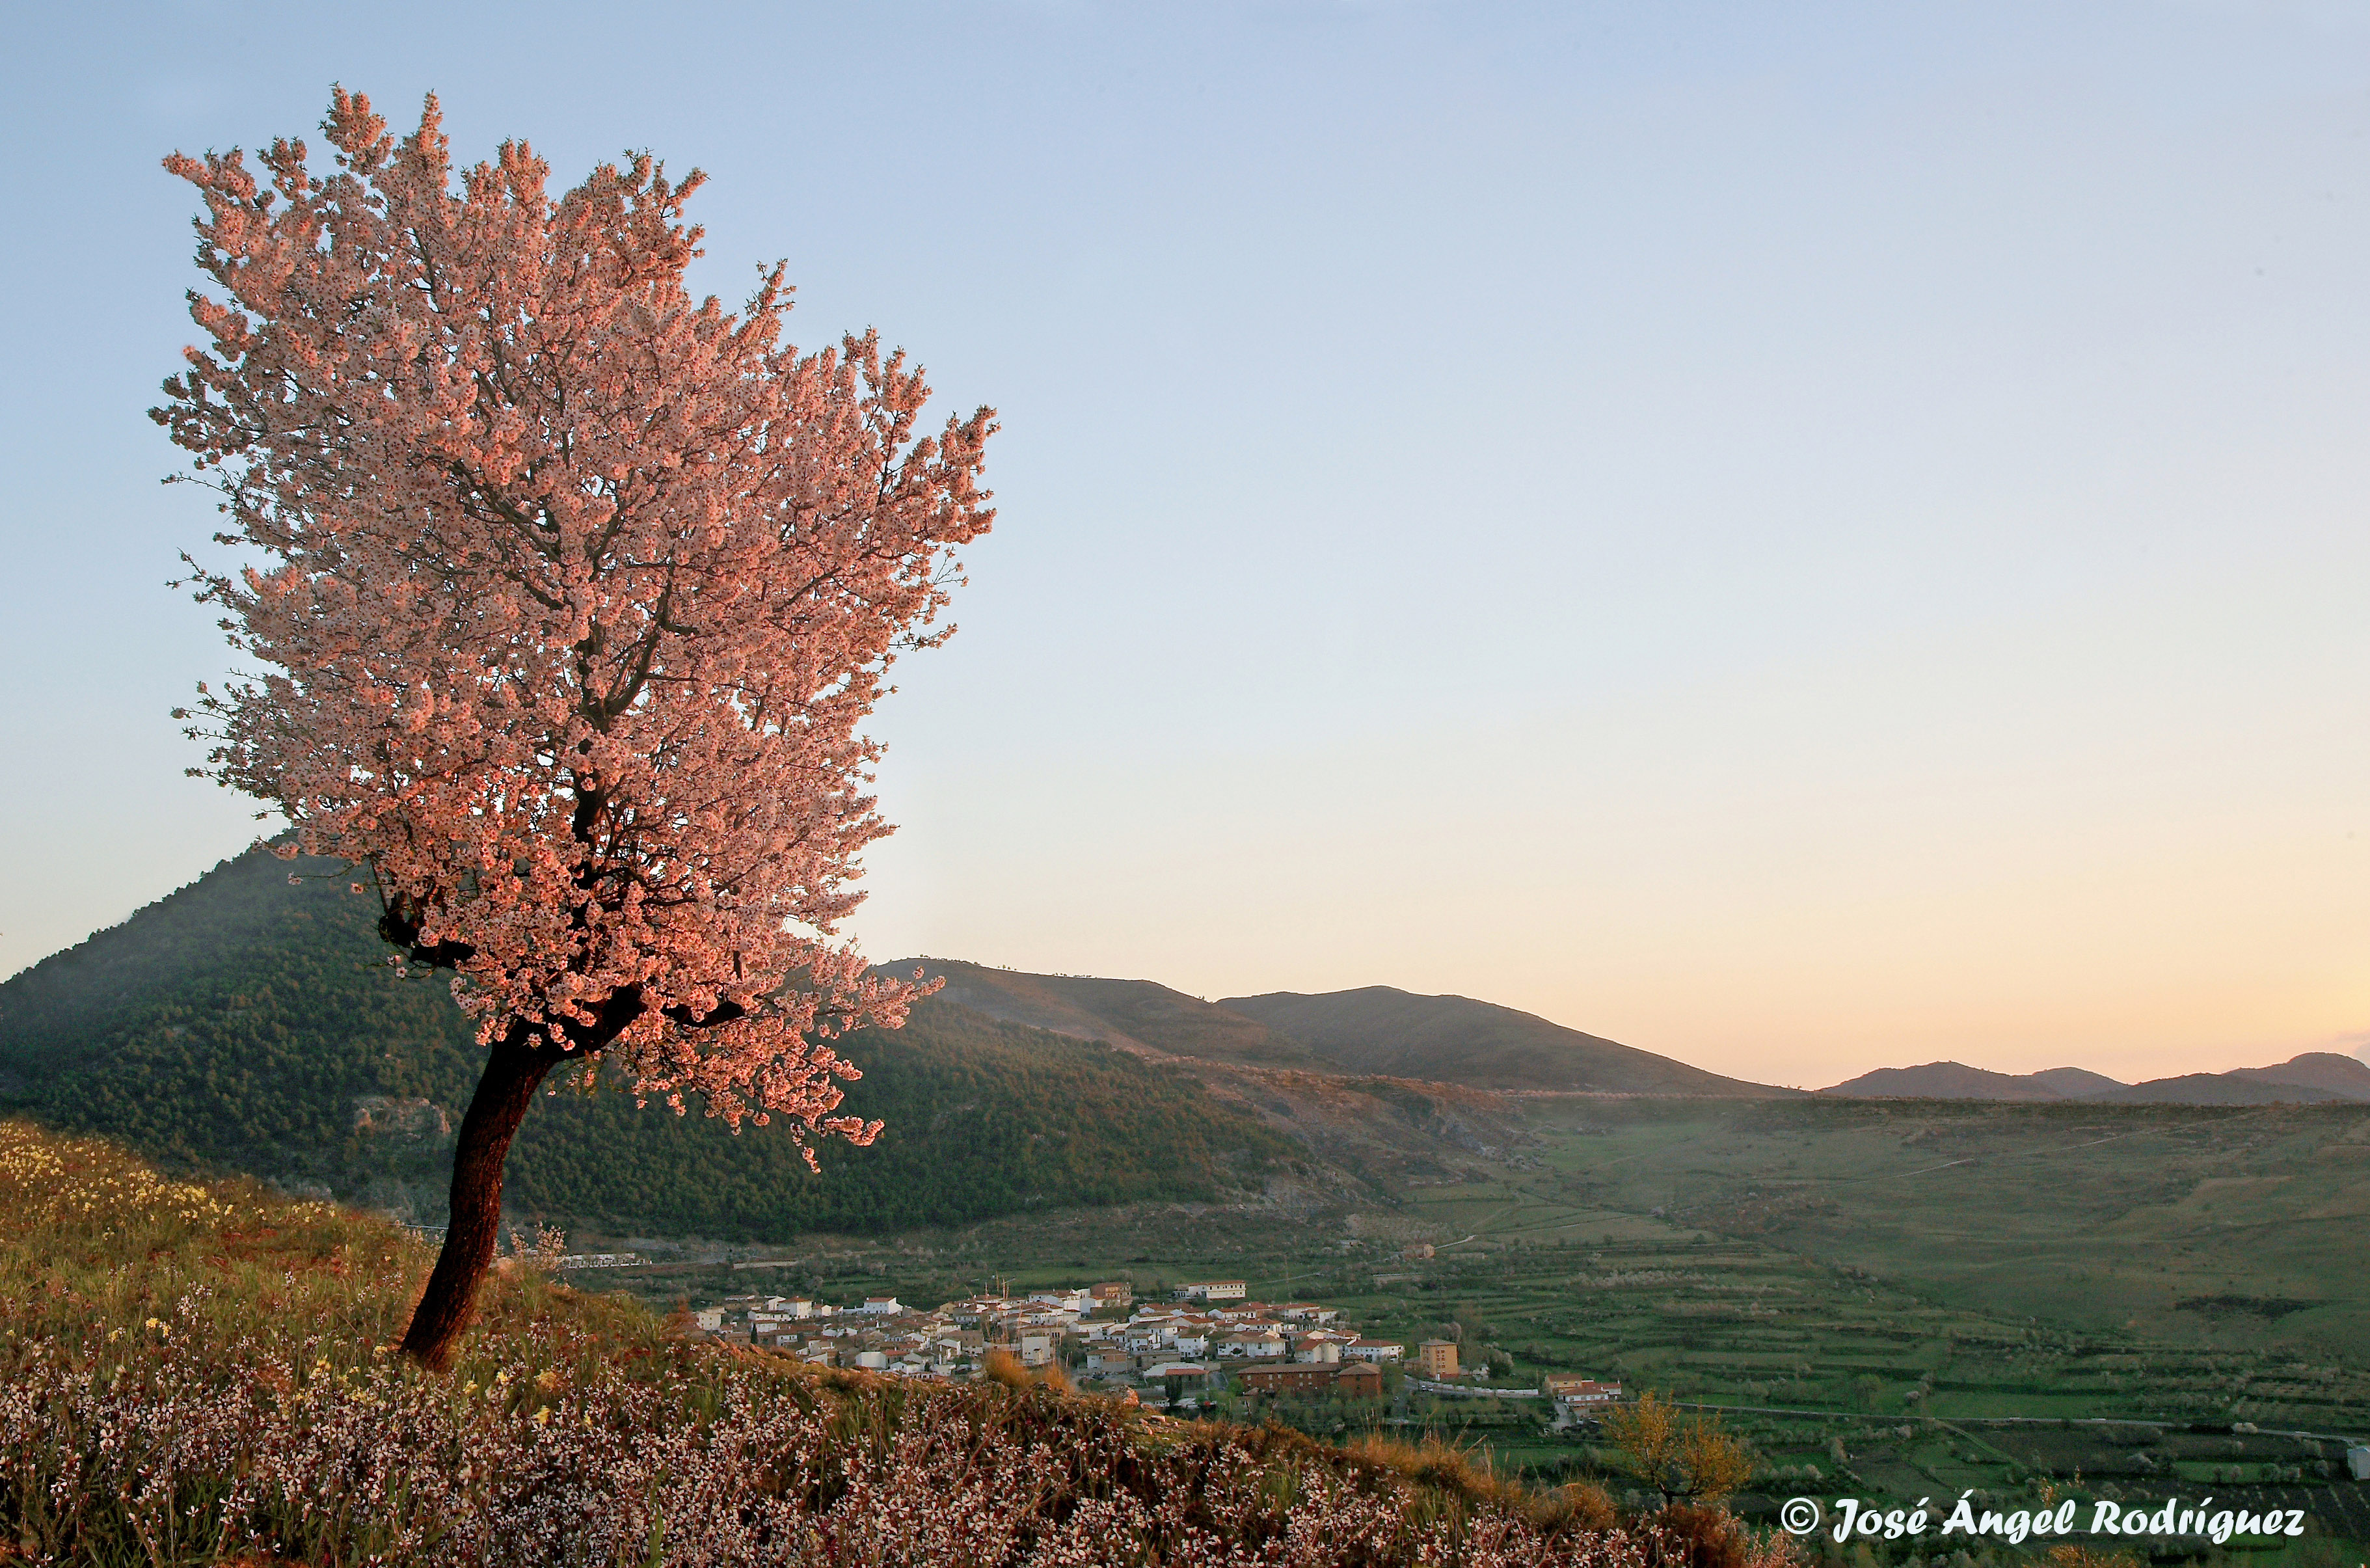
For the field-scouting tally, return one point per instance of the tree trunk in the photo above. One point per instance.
(512, 1073)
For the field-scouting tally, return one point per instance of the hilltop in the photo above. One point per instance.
(1457, 1040)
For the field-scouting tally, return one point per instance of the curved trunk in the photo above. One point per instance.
(512, 1073)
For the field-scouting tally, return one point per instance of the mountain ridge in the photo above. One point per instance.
(1450, 1039)
(2307, 1077)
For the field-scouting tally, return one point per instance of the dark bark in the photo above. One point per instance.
(513, 1072)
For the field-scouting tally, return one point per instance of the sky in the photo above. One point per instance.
(1802, 538)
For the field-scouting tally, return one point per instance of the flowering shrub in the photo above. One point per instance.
(178, 1386)
(195, 1460)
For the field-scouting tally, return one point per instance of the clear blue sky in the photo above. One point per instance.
(1801, 537)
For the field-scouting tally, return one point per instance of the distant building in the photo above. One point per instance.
(1324, 1351)
(1566, 1389)
(1437, 1358)
(1113, 1293)
(1293, 1378)
(1213, 1290)
(1357, 1379)
(884, 1305)
(1373, 1350)
(1416, 1250)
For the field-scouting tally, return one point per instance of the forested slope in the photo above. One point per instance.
(249, 1022)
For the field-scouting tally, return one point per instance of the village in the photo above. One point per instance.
(1208, 1340)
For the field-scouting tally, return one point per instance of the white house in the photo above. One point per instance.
(1255, 1346)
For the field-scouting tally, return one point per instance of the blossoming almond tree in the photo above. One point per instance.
(572, 592)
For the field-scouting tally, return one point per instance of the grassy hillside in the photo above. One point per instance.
(249, 1022)
(1133, 1014)
(200, 1374)
(1457, 1040)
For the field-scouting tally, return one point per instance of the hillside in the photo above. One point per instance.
(200, 1375)
(248, 1022)
(1457, 1040)
(1136, 1015)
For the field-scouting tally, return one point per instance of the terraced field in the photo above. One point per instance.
(2221, 1228)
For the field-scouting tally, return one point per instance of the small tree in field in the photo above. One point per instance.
(1685, 1458)
(571, 593)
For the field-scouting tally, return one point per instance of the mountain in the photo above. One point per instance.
(1480, 1045)
(249, 1022)
(2346, 1075)
(1359, 1130)
(1947, 1080)
(1136, 1015)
